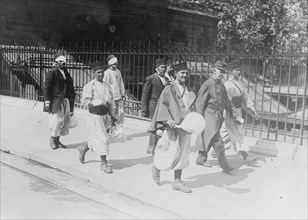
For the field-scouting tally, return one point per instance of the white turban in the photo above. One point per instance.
(61, 58)
(112, 61)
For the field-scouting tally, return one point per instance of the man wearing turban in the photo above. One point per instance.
(113, 76)
(59, 97)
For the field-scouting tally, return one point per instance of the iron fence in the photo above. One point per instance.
(276, 83)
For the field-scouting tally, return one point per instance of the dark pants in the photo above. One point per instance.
(219, 149)
(153, 139)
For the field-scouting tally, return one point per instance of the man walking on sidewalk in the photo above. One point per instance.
(232, 128)
(59, 97)
(97, 96)
(152, 88)
(211, 101)
(173, 105)
(114, 78)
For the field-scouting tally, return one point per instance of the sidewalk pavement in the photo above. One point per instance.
(24, 132)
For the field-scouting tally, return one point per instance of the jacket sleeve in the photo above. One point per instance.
(86, 96)
(202, 99)
(71, 93)
(247, 101)
(146, 96)
(162, 112)
(229, 106)
(49, 85)
(121, 83)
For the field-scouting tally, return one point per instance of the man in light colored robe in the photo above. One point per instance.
(172, 150)
(232, 128)
(97, 93)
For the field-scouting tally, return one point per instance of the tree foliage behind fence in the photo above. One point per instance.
(276, 83)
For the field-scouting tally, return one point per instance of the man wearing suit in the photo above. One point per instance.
(59, 95)
(152, 88)
(211, 101)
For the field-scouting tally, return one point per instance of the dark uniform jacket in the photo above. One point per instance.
(57, 88)
(212, 99)
(152, 89)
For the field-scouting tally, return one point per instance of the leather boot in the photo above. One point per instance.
(59, 143)
(104, 165)
(82, 152)
(53, 143)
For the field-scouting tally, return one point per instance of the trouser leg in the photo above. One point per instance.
(104, 165)
(82, 152)
(177, 184)
(202, 156)
(53, 143)
(153, 139)
(220, 151)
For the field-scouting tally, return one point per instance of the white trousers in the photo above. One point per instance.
(99, 139)
(58, 122)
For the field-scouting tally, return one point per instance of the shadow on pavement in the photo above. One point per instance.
(74, 146)
(139, 134)
(125, 163)
(220, 179)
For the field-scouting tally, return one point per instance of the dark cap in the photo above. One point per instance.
(97, 65)
(180, 66)
(219, 65)
(160, 61)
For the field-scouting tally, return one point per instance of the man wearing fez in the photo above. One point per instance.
(173, 105)
(169, 71)
(97, 96)
(113, 76)
(152, 88)
(211, 101)
(59, 97)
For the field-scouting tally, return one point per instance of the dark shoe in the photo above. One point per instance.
(156, 175)
(106, 168)
(249, 160)
(53, 143)
(205, 164)
(244, 154)
(227, 169)
(82, 152)
(178, 185)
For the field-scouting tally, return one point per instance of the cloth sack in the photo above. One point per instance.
(117, 134)
(193, 123)
(237, 101)
(99, 109)
(166, 151)
(73, 121)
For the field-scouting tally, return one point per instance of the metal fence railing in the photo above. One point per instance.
(276, 83)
